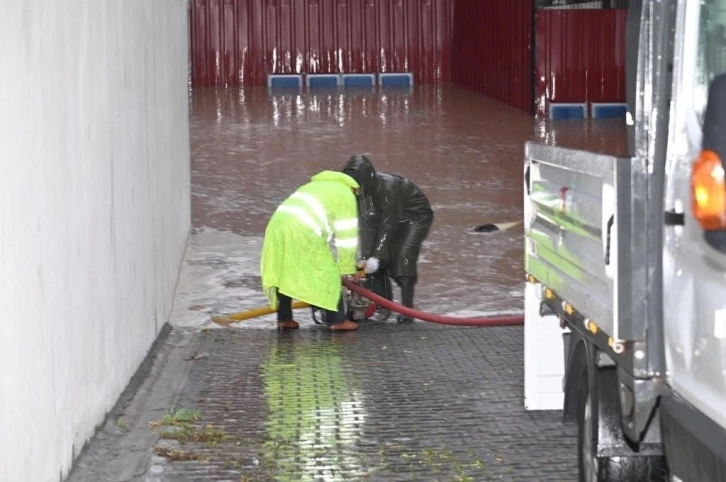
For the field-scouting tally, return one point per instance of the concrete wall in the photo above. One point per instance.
(94, 212)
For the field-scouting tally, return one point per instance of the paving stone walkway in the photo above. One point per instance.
(387, 403)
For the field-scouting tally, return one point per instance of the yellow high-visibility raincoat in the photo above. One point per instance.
(297, 258)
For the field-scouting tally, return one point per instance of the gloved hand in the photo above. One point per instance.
(371, 265)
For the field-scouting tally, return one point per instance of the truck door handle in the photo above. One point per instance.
(611, 221)
(673, 218)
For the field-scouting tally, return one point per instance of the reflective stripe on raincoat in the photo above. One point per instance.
(297, 258)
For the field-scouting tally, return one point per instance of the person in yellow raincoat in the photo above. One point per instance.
(297, 260)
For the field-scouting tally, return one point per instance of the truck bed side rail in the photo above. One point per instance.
(581, 241)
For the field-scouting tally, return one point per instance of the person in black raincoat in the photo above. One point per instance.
(395, 218)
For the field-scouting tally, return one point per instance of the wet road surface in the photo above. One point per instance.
(389, 402)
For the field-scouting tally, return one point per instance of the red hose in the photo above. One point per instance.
(514, 320)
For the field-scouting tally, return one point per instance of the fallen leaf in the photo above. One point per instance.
(198, 356)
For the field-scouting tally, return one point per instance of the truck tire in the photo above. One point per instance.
(591, 468)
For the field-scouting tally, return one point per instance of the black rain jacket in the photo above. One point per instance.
(395, 217)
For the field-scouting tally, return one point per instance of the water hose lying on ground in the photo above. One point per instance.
(509, 320)
(500, 320)
(257, 312)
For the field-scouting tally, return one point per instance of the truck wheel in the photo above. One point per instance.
(588, 464)
(609, 469)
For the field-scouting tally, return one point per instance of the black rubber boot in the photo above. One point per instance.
(407, 285)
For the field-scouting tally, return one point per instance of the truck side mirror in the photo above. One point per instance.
(708, 186)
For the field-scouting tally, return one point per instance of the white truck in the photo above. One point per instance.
(626, 263)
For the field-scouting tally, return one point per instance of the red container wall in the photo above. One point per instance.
(492, 52)
(239, 42)
(580, 56)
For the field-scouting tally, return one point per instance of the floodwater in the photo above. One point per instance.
(252, 147)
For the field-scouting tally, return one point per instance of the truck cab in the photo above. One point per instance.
(626, 262)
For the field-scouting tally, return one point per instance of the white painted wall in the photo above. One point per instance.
(94, 212)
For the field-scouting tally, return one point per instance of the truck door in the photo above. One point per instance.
(694, 255)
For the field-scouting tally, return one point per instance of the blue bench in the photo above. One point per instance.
(285, 81)
(395, 80)
(568, 111)
(608, 110)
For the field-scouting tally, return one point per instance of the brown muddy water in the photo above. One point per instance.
(252, 147)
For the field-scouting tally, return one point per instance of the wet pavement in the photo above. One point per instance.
(389, 402)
